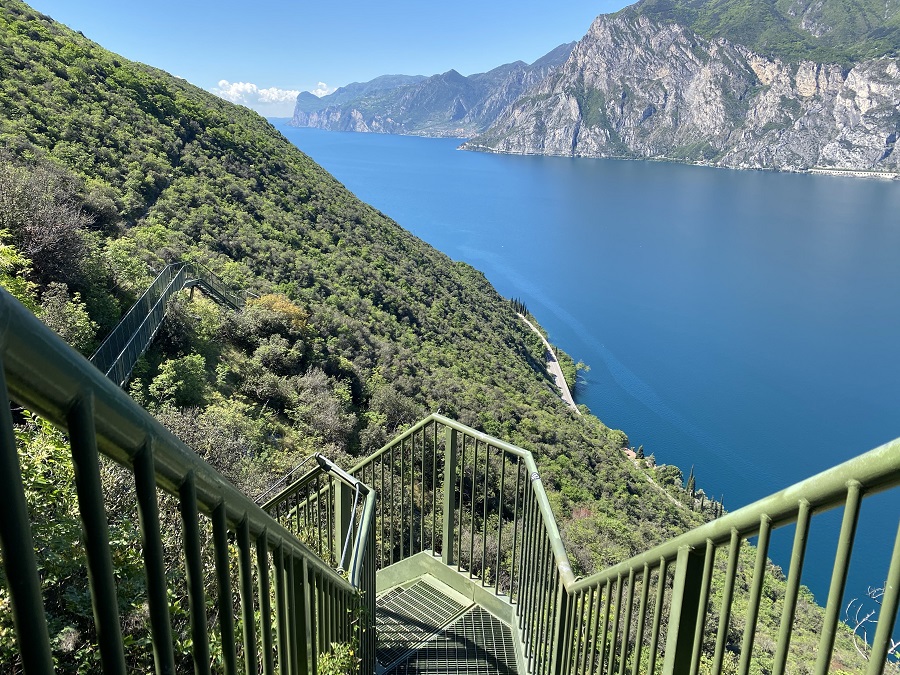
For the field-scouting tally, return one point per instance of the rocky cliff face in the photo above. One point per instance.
(448, 104)
(635, 87)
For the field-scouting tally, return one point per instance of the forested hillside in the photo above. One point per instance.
(382, 329)
(828, 31)
(111, 169)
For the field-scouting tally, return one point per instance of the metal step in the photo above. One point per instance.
(423, 630)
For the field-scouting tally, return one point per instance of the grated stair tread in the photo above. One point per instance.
(420, 630)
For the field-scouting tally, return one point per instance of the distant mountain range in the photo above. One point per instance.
(780, 84)
(448, 104)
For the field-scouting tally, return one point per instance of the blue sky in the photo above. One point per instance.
(262, 53)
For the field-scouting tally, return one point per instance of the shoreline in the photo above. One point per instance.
(553, 368)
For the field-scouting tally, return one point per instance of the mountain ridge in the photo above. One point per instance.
(635, 87)
(444, 104)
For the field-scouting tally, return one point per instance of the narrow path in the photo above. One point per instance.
(554, 369)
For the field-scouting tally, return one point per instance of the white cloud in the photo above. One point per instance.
(271, 101)
(322, 90)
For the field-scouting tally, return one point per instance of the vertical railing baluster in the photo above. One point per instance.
(657, 613)
(265, 602)
(194, 574)
(607, 605)
(887, 616)
(462, 499)
(450, 509)
(626, 626)
(329, 512)
(319, 514)
(578, 637)
(727, 596)
(393, 506)
(839, 577)
(382, 498)
(402, 516)
(500, 502)
(85, 458)
(595, 631)
(586, 628)
(798, 553)
(245, 576)
(700, 629)
(294, 609)
(484, 518)
(614, 637)
(543, 611)
(154, 564)
(17, 546)
(563, 628)
(434, 486)
(642, 616)
(531, 567)
(472, 509)
(759, 570)
(513, 586)
(223, 581)
(282, 611)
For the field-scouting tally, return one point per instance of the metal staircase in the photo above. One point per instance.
(131, 337)
(437, 554)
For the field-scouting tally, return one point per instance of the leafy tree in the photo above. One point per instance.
(14, 271)
(38, 208)
(181, 381)
(68, 316)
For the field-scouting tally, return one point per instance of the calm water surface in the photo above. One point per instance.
(745, 323)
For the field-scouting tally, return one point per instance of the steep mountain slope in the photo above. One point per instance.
(840, 31)
(360, 327)
(394, 327)
(307, 102)
(447, 104)
(636, 86)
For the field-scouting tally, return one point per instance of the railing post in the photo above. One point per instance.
(343, 519)
(562, 631)
(449, 496)
(683, 614)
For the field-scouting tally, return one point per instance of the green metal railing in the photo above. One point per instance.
(121, 349)
(471, 499)
(334, 513)
(479, 503)
(300, 598)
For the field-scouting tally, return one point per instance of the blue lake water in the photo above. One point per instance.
(743, 323)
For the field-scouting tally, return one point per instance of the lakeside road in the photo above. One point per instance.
(554, 369)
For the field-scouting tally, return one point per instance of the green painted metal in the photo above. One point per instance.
(759, 570)
(798, 553)
(120, 350)
(888, 616)
(437, 487)
(21, 569)
(839, 576)
(683, 613)
(567, 625)
(45, 375)
(154, 563)
(327, 498)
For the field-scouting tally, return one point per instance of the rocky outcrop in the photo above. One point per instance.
(448, 104)
(635, 87)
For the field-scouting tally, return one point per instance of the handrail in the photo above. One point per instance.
(357, 525)
(875, 471)
(318, 509)
(431, 493)
(41, 372)
(121, 349)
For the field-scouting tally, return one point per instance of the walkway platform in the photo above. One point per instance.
(425, 626)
